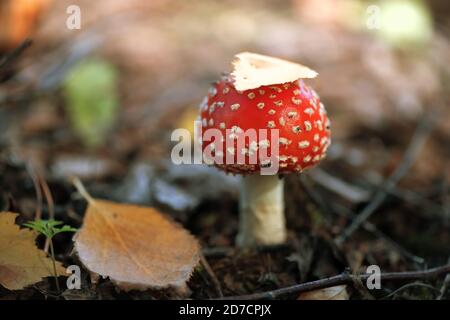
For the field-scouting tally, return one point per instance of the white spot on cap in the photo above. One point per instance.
(251, 95)
(271, 124)
(308, 126)
(261, 91)
(307, 158)
(309, 111)
(263, 144)
(225, 90)
(244, 151)
(204, 104)
(303, 144)
(260, 105)
(284, 141)
(212, 107)
(236, 129)
(211, 122)
(292, 114)
(271, 112)
(277, 89)
(296, 100)
(282, 121)
(253, 146)
(319, 125)
(296, 129)
(212, 91)
(316, 137)
(278, 103)
(235, 106)
(222, 125)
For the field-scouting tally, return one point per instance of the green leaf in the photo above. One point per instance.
(90, 92)
(49, 227)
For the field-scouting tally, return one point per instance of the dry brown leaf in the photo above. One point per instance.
(21, 262)
(252, 70)
(136, 247)
(332, 293)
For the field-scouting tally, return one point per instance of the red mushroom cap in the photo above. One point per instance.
(293, 108)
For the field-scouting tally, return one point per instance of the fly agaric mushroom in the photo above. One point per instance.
(265, 93)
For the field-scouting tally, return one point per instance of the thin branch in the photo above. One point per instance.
(370, 227)
(345, 278)
(15, 53)
(410, 285)
(341, 210)
(37, 188)
(50, 205)
(48, 197)
(445, 286)
(212, 276)
(417, 141)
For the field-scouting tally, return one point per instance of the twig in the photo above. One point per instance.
(212, 275)
(414, 198)
(317, 197)
(370, 227)
(417, 141)
(339, 186)
(15, 53)
(48, 197)
(218, 252)
(37, 188)
(445, 286)
(345, 278)
(409, 285)
(50, 205)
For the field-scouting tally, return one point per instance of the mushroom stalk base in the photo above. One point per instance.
(261, 216)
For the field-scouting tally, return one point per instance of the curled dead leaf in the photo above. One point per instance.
(136, 247)
(21, 262)
(332, 293)
(252, 70)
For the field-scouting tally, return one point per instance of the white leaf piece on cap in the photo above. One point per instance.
(252, 70)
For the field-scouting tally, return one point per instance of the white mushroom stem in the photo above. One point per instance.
(261, 216)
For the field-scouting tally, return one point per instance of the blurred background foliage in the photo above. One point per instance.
(101, 102)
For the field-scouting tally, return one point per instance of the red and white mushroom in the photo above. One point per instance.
(265, 93)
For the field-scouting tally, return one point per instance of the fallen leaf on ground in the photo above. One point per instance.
(21, 262)
(332, 293)
(136, 247)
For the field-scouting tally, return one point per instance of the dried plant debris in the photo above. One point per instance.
(21, 262)
(332, 293)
